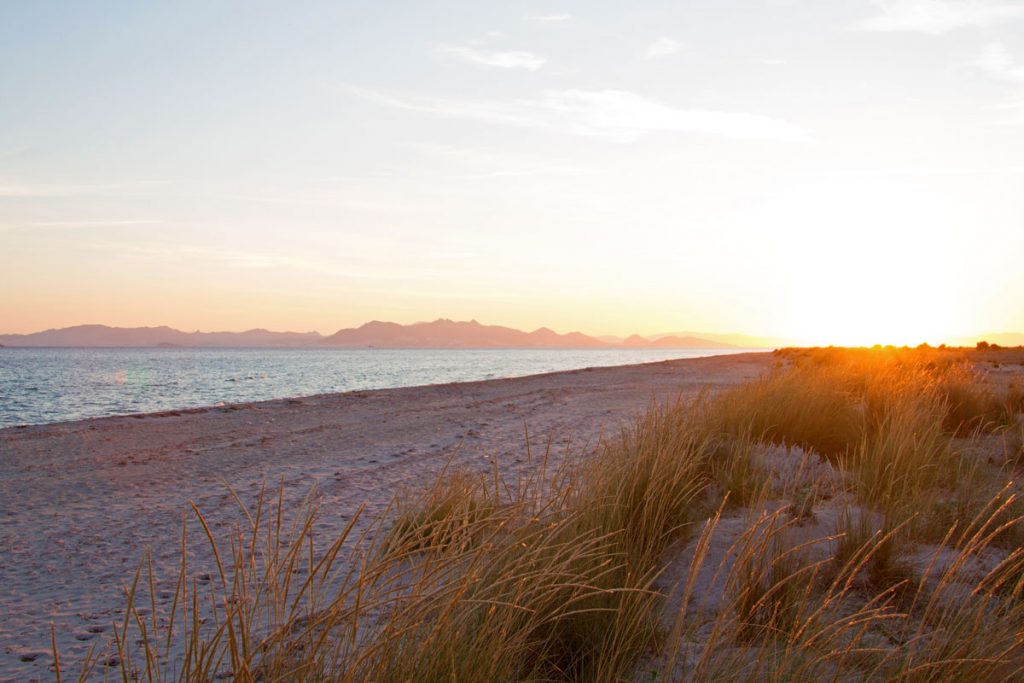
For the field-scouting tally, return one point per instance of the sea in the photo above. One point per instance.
(44, 385)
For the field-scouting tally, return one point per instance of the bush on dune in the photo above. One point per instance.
(555, 577)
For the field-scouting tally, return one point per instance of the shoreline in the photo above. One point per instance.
(228, 407)
(245, 393)
(80, 501)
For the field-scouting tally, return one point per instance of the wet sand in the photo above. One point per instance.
(80, 502)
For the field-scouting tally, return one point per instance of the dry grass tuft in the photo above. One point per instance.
(555, 577)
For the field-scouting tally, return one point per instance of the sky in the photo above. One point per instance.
(829, 171)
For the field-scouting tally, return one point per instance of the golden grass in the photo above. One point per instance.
(555, 577)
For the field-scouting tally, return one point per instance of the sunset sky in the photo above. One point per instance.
(833, 171)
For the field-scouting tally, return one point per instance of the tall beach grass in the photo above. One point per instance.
(904, 565)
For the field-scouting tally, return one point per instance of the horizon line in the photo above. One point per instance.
(953, 340)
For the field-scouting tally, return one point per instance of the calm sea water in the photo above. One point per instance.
(53, 385)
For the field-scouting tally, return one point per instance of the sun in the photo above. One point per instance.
(900, 308)
(866, 263)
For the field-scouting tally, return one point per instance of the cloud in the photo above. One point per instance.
(487, 164)
(613, 114)
(997, 61)
(549, 18)
(504, 60)
(1013, 113)
(15, 190)
(75, 224)
(232, 258)
(662, 47)
(360, 269)
(937, 17)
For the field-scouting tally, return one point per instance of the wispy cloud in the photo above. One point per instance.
(16, 189)
(770, 61)
(231, 258)
(504, 60)
(662, 47)
(355, 270)
(75, 224)
(930, 171)
(13, 151)
(488, 164)
(613, 114)
(549, 18)
(1012, 112)
(940, 16)
(996, 60)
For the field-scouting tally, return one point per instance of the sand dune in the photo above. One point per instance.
(80, 502)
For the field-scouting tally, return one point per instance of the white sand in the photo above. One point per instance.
(80, 502)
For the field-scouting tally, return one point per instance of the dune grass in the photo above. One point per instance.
(558, 576)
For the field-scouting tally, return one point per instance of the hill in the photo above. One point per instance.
(163, 336)
(438, 334)
(446, 333)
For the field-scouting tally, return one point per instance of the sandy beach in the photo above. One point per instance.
(80, 502)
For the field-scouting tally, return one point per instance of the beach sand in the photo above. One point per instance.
(81, 502)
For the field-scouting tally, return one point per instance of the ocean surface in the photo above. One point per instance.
(40, 385)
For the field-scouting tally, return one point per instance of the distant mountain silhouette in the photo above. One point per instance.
(446, 334)
(673, 342)
(734, 340)
(442, 334)
(706, 340)
(102, 335)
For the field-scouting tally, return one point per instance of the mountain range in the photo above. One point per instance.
(442, 333)
(102, 335)
(733, 340)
